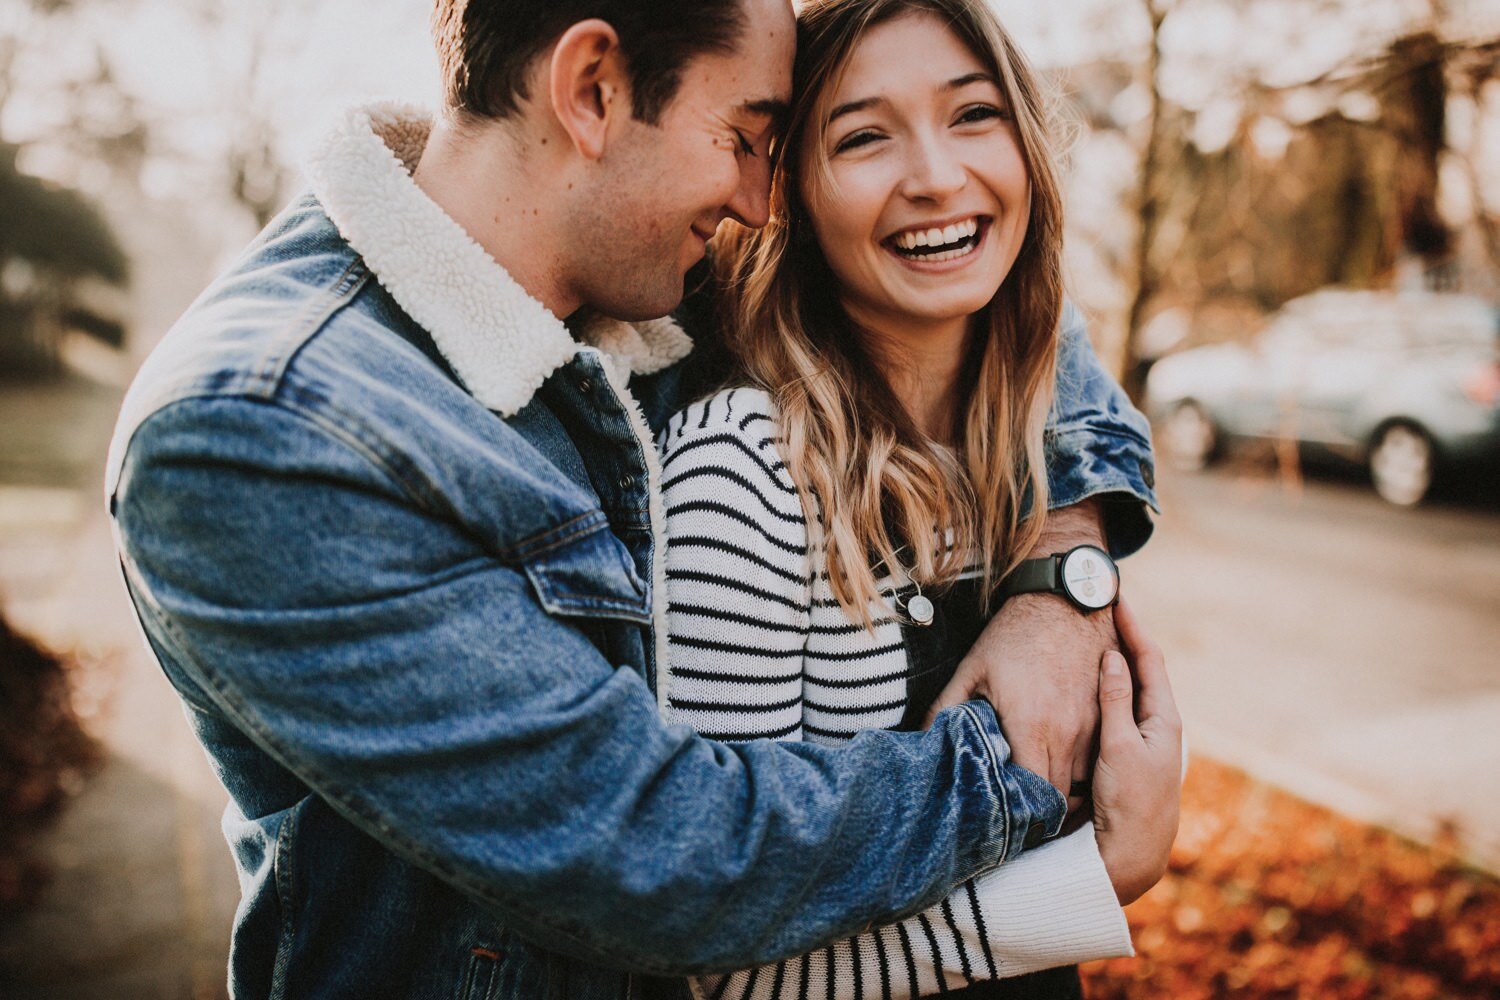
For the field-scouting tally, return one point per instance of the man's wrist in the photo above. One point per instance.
(1081, 523)
(1040, 607)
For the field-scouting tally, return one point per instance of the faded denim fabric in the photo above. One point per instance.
(416, 641)
(1098, 444)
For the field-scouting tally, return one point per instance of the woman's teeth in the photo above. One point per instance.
(947, 243)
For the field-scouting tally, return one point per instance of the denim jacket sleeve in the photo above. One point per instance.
(406, 673)
(1098, 444)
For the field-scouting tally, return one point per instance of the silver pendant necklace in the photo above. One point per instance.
(919, 608)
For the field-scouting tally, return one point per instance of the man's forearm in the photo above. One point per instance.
(1081, 523)
(1037, 661)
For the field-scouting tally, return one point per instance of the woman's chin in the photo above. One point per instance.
(947, 304)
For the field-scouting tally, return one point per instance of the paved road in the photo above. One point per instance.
(1343, 648)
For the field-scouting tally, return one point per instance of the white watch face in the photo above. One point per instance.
(1090, 577)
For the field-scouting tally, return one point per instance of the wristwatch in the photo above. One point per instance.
(1085, 575)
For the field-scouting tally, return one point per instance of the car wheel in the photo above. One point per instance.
(1402, 463)
(1189, 437)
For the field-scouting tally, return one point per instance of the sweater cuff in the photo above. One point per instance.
(1054, 905)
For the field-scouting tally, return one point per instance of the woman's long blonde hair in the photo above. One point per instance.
(877, 492)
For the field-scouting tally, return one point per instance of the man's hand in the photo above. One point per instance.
(1037, 662)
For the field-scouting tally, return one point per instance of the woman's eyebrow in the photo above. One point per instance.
(957, 83)
(968, 78)
(851, 107)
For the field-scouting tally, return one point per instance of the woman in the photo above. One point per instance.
(839, 516)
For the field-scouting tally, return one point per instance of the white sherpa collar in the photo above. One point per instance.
(502, 342)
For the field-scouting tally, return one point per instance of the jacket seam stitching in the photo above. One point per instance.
(991, 755)
(276, 362)
(1060, 430)
(587, 523)
(369, 445)
(284, 898)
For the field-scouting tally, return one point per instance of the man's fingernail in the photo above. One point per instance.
(1114, 663)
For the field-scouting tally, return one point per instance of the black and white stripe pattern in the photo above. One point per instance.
(745, 592)
(760, 649)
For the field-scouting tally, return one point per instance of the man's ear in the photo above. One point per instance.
(589, 84)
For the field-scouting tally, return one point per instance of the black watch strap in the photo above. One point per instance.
(1032, 576)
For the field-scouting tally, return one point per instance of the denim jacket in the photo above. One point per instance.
(392, 531)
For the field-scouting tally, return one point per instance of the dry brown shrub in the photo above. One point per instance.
(44, 755)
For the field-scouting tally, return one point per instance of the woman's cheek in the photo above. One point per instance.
(1009, 170)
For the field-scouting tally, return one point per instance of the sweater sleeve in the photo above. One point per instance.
(742, 610)
(1050, 906)
(737, 575)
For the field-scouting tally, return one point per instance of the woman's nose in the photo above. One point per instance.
(934, 171)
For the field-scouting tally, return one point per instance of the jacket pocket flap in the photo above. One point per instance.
(592, 576)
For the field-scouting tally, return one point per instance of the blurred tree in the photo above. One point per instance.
(44, 751)
(1256, 185)
(1475, 77)
(56, 229)
(256, 175)
(20, 17)
(1148, 208)
(56, 245)
(52, 241)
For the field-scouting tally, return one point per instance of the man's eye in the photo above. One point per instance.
(981, 112)
(856, 139)
(746, 146)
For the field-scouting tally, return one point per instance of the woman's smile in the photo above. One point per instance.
(939, 249)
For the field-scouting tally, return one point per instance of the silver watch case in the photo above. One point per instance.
(1088, 577)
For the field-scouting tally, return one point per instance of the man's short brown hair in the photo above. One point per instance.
(485, 47)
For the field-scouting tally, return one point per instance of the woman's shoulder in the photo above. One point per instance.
(733, 436)
(742, 413)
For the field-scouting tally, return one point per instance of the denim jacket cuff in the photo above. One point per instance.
(1124, 480)
(1032, 810)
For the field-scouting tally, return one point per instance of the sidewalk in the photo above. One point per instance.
(144, 889)
(1337, 647)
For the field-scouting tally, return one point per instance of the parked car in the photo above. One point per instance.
(1408, 384)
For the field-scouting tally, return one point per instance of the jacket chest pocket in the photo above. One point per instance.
(592, 581)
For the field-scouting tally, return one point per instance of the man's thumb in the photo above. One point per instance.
(1116, 712)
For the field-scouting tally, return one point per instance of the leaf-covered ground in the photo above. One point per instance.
(1268, 896)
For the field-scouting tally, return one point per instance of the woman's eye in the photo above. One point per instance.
(981, 112)
(746, 146)
(853, 141)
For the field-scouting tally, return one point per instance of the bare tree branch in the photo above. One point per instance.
(1148, 207)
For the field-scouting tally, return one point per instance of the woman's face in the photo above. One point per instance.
(925, 203)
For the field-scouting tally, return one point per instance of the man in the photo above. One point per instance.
(393, 534)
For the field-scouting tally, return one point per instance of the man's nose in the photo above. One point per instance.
(751, 204)
(934, 171)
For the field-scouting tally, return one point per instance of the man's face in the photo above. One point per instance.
(666, 187)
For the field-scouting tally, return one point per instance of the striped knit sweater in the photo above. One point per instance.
(761, 650)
